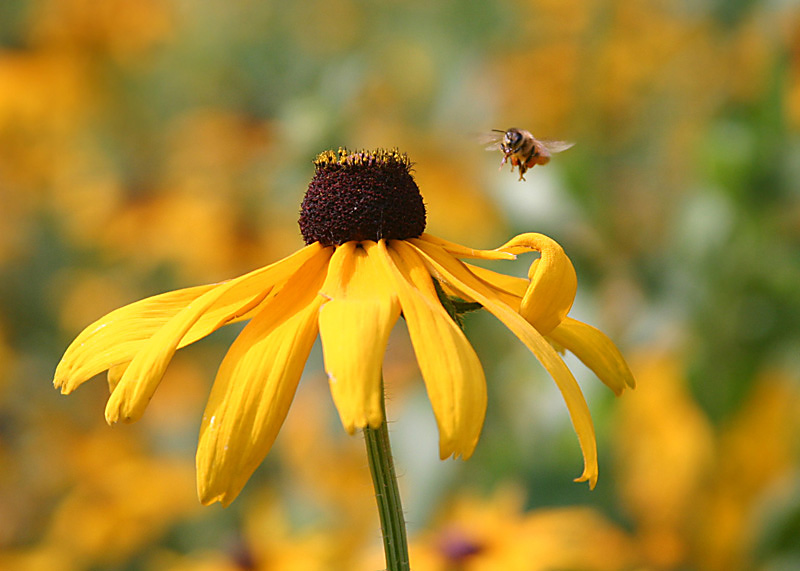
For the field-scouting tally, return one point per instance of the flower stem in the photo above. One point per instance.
(387, 494)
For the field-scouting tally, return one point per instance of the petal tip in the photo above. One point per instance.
(467, 454)
(207, 498)
(591, 478)
(115, 414)
(451, 448)
(507, 255)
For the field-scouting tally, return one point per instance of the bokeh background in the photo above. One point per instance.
(147, 145)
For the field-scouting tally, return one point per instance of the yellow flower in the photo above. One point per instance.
(495, 532)
(367, 262)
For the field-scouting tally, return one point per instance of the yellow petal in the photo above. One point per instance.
(510, 284)
(552, 281)
(255, 386)
(354, 326)
(116, 337)
(510, 289)
(450, 368)
(114, 375)
(224, 302)
(460, 251)
(596, 351)
(472, 288)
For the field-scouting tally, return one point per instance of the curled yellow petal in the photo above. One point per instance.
(354, 325)
(596, 351)
(255, 385)
(472, 288)
(510, 289)
(460, 251)
(509, 284)
(450, 367)
(553, 282)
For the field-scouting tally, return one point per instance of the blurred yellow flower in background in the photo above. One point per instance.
(664, 447)
(368, 261)
(124, 498)
(699, 498)
(476, 533)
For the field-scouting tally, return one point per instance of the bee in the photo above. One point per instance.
(523, 149)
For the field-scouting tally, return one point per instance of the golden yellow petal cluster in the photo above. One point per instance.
(351, 295)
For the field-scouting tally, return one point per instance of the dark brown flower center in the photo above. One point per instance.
(361, 195)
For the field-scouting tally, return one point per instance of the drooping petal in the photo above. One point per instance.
(596, 351)
(460, 251)
(226, 301)
(115, 337)
(472, 288)
(354, 325)
(450, 368)
(509, 284)
(510, 289)
(255, 385)
(114, 374)
(553, 282)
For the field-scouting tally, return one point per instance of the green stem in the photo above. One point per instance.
(387, 494)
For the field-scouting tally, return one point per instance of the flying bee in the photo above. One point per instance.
(523, 149)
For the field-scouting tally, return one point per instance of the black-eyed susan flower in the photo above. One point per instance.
(367, 262)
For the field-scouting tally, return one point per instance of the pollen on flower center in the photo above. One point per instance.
(361, 195)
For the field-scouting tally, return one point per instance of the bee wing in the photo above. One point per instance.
(492, 139)
(556, 146)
